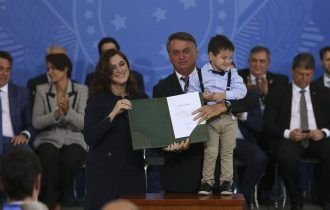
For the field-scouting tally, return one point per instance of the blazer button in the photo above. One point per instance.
(109, 154)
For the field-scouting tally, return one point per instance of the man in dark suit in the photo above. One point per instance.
(108, 43)
(182, 170)
(297, 117)
(16, 111)
(248, 152)
(43, 78)
(258, 79)
(324, 80)
(257, 75)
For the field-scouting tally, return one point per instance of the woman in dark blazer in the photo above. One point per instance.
(58, 113)
(113, 169)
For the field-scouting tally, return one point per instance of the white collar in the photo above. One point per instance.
(295, 88)
(4, 88)
(179, 75)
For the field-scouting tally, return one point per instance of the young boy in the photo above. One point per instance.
(221, 83)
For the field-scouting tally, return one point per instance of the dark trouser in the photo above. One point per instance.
(288, 157)
(60, 166)
(254, 160)
(7, 145)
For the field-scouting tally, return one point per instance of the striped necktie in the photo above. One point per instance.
(186, 83)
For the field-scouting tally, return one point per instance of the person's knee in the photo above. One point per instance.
(47, 152)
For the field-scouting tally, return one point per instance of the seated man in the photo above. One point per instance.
(324, 80)
(297, 117)
(15, 110)
(20, 176)
(248, 151)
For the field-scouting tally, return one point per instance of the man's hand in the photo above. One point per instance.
(297, 135)
(316, 135)
(250, 86)
(19, 139)
(177, 147)
(263, 86)
(208, 111)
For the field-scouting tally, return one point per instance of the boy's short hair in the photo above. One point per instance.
(19, 170)
(303, 60)
(220, 42)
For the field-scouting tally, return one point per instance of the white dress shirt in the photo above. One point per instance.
(181, 81)
(7, 128)
(295, 111)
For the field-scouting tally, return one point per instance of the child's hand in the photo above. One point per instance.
(207, 96)
(218, 96)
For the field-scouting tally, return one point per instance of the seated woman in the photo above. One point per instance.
(58, 112)
(113, 168)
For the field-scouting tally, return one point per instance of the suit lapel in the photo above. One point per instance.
(315, 102)
(287, 101)
(174, 84)
(72, 94)
(51, 98)
(12, 100)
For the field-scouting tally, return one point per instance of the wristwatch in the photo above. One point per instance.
(228, 105)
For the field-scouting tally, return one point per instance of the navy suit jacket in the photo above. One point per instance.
(319, 81)
(274, 80)
(252, 126)
(277, 114)
(181, 171)
(20, 105)
(35, 81)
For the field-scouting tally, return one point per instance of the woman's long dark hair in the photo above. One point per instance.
(102, 77)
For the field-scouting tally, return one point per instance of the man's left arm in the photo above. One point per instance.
(27, 131)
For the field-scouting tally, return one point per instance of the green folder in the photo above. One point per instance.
(151, 125)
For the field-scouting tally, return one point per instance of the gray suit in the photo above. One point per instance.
(60, 143)
(53, 131)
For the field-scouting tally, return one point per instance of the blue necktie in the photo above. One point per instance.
(1, 136)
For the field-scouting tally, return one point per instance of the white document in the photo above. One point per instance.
(181, 108)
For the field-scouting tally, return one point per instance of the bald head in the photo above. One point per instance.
(56, 49)
(120, 204)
